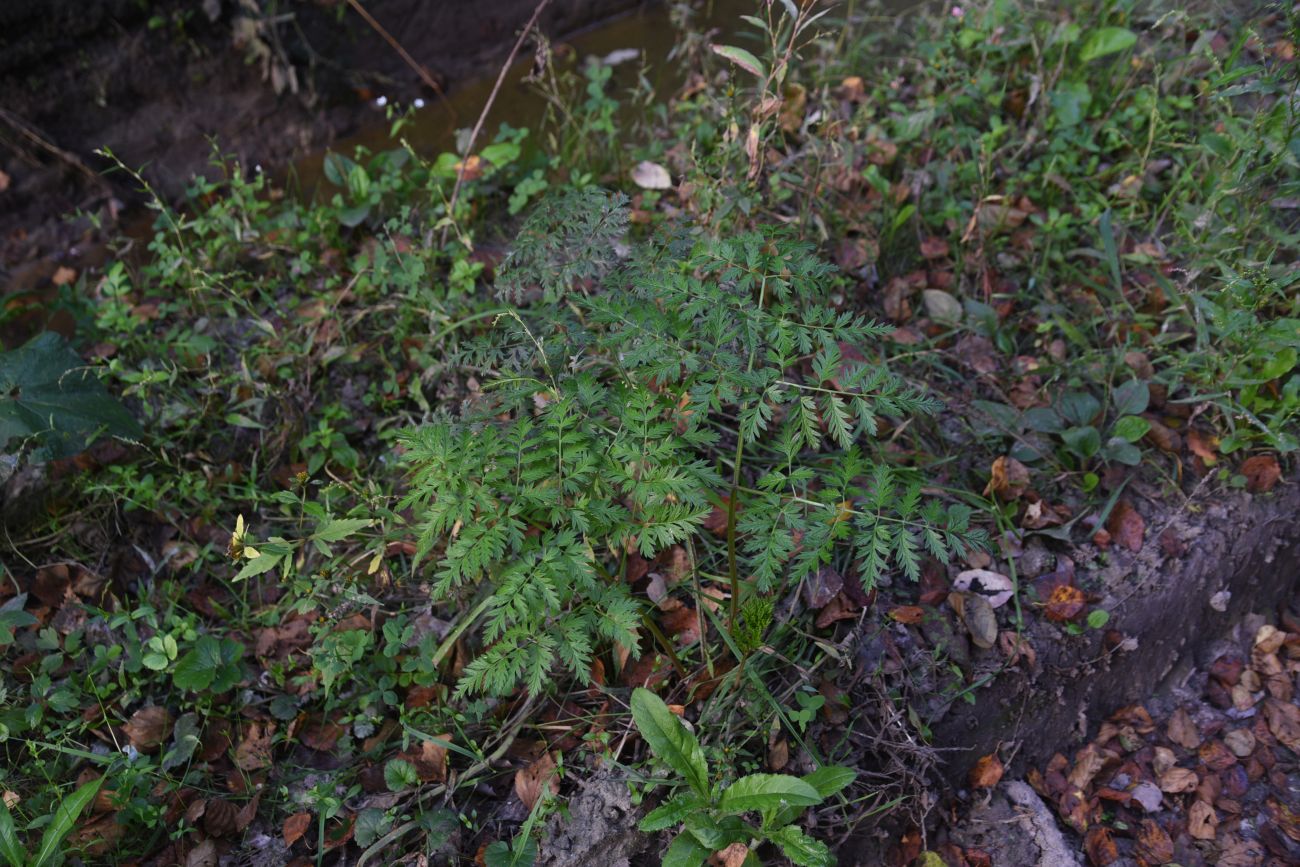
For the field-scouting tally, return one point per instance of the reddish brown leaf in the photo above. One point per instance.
(1100, 847)
(530, 780)
(934, 247)
(1153, 844)
(1262, 473)
(429, 758)
(987, 772)
(1126, 526)
(320, 736)
(840, 608)
(1065, 604)
(1283, 722)
(295, 826)
(1203, 446)
(909, 614)
(148, 727)
(732, 856)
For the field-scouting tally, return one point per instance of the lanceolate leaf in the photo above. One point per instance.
(671, 814)
(830, 779)
(47, 392)
(741, 58)
(668, 739)
(64, 819)
(1106, 40)
(10, 848)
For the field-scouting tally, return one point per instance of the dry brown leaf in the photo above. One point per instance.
(1262, 473)
(1203, 446)
(1008, 479)
(429, 759)
(1202, 822)
(987, 772)
(1087, 763)
(99, 836)
(63, 275)
(1177, 780)
(1283, 722)
(1153, 843)
(732, 856)
(148, 728)
(840, 608)
(909, 614)
(1065, 604)
(203, 855)
(821, 588)
(220, 818)
(254, 751)
(530, 780)
(1126, 526)
(1182, 731)
(1016, 647)
(295, 826)
(1100, 847)
(778, 754)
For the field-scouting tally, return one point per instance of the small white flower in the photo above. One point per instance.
(419, 103)
(258, 168)
(381, 101)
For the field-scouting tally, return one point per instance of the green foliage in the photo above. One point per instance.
(604, 431)
(713, 816)
(50, 397)
(57, 827)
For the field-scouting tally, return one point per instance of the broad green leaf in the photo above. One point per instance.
(47, 392)
(1070, 102)
(684, 851)
(715, 834)
(1079, 408)
(674, 812)
(399, 774)
(1131, 398)
(12, 850)
(338, 529)
(742, 58)
(830, 779)
(802, 849)
(65, 817)
(1043, 420)
(1082, 441)
(1122, 452)
(669, 739)
(1105, 41)
(12, 616)
(1132, 428)
(768, 792)
(185, 740)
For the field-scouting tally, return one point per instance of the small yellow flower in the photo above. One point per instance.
(237, 550)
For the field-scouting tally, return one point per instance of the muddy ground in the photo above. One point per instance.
(159, 83)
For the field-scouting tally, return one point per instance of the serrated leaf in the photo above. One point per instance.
(684, 851)
(674, 812)
(767, 792)
(802, 849)
(830, 779)
(47, 392)
(264, 562)
(742, 58)
(668, 739)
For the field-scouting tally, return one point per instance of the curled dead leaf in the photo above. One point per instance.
(1065, 604)
(1008, 478)
(987, 772)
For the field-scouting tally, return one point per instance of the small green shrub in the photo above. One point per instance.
(624, 404)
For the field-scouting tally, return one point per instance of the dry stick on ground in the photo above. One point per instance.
(487, 107)
(32, 134)
(410, 61)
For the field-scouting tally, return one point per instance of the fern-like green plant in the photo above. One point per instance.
(618, 413)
